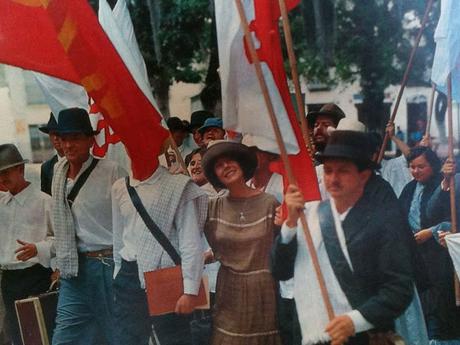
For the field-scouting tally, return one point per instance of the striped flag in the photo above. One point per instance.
(63, 38)
(243, 106)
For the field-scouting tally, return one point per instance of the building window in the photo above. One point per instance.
(42, 149)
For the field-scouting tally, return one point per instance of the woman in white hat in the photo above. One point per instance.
(240, 230)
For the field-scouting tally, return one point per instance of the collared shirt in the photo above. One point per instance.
(25, 216)
(126, 221)
(92, 208)
(311, 310)
(396, 172)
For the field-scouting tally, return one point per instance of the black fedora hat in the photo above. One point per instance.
(198, 118)
(74, 120)
(50, 126)
(330, 109)
(246, 158)
(10, 157)
(350, 145)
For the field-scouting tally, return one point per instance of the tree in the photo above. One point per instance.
(177, 46)
(367, 41)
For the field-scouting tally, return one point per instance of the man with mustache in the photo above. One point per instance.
(363, 256)
(319, 121)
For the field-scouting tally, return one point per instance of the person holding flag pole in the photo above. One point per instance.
(339, 328)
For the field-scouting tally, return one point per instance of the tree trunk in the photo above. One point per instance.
(155, 20)
(161, 92)
(210, 96)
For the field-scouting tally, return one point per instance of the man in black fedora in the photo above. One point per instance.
(362, 254)
(26, 236)
(328, 115)
(197, 120)
(46, 170)
(82, 220)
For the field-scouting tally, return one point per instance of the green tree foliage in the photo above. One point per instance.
(183, 39)
(369, 41)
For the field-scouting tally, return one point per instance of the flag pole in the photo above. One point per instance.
(295, 77)
(406, 76)
(283, 154)
(453, 213)
(430, 111)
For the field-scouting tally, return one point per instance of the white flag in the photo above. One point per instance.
(447, 55)
(453, 244)
(243, 105)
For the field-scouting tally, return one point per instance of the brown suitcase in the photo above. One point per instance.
(36, 317)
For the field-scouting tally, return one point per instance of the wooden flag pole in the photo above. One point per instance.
(430, 111)
(453, 213)
(295, 77)
(406, 76)
(283, 154)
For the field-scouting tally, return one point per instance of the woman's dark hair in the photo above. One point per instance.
(188, 158)
(430, 156)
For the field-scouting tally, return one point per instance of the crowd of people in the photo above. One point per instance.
(377, 237)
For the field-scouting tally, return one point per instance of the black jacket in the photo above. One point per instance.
(46, 174)
(381, 258)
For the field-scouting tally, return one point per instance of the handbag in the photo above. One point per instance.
(164, 286)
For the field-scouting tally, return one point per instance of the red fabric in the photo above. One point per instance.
(265, 26)
(68, 30)
(28, 40)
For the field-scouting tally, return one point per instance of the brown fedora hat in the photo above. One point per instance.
(330, 109)
(246, 158)
(10, 157)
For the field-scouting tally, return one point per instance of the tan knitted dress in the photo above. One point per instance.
(241, 233)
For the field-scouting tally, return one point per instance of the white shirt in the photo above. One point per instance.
(126, 221)
(92, 208)
(396, 172)
(310, 307)
(25, 216)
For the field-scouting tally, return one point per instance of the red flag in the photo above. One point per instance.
(73, 27)
(265, 26)
(28, 40)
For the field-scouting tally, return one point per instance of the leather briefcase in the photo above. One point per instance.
(36, 317)
(165, 286)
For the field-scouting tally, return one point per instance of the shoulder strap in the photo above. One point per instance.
(335, 253)
(81, 181)
(151, 225)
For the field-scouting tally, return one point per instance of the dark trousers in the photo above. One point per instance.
(20, 284)
(288, 322)
(133, 325)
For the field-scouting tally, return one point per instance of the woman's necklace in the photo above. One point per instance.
(242, 211)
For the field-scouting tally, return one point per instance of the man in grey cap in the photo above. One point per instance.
(26, 233)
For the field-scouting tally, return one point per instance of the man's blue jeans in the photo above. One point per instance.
(133, 325)
(85, 305)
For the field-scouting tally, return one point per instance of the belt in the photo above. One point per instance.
(99, 253)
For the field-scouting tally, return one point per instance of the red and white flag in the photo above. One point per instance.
(63, 38)
(244, 109)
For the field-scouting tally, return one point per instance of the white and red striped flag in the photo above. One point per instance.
(243, 105)
(62, 38)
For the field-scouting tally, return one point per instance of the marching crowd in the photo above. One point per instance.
(377, 236)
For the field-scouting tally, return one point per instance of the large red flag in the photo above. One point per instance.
(243, 106)
(72, 26)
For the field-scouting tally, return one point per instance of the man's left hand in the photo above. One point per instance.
(340, 329)
(26, 251)
(186, 304)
